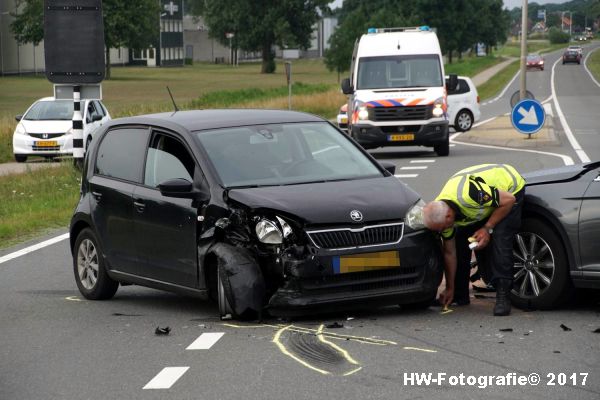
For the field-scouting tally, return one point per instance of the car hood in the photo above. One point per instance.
(46, 126)
(560, 174)
(378, 199)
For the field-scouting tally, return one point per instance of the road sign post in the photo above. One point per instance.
(528, 116)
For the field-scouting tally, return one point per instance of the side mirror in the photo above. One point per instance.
(19, 117)
(182, 189)
(452, 83)
(347, 87)
(389, 167)
(96, 117)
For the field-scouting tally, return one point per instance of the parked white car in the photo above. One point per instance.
(342, 118)
(46, 127)
(463, 105)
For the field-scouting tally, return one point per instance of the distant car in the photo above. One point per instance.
(570, 56)
(463, 105)
(342, 118)
(557, 245)
(257, 209)
(576, 48)
(535, 61)
(46, 127)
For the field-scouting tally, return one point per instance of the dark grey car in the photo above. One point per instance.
(555, 250)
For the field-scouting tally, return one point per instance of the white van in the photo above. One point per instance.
(397, 95)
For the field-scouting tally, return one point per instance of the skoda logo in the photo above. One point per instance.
(356, 215)
(45, 136)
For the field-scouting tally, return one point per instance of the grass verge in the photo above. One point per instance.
(593, 64)
(37, 201)
(471, 66)
(499, 81)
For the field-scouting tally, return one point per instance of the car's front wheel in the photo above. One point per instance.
(90, 272)
(463, 121)
(541, 270)
(20, 158)
(442, 149)
(225, 310)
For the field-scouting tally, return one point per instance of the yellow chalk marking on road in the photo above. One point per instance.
(335, 346)
(249, 326)
(73, 298)
(353, 371)
(418, 349)
(289, 354)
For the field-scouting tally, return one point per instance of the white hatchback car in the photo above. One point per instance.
(463, 105)
(46, 127)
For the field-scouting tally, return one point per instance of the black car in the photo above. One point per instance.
(571, 56)
(257, 209)
(555, 250)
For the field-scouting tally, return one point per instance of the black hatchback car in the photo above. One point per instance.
(257, 209)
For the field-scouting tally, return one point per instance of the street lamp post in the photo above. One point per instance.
(523, 81)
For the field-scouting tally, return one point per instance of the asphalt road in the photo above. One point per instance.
(55, 345)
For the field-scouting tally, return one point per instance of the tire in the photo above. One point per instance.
(541, 270)
(463, 121)
(420, 305)
(90, 269)
(87, 143)
(20, 158)
(223, 296)
(443, 149)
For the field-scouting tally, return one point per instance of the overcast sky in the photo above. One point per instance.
(510, 4)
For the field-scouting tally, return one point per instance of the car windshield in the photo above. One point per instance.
(399, 72)
(284, 154)
(51, 111)
(533, 58)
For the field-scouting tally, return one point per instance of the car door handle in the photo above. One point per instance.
(97, 195)
(139, 205)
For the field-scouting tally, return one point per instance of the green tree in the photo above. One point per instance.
(127, 23)
(258, 25)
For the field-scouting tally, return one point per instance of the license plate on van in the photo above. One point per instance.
(401, 137)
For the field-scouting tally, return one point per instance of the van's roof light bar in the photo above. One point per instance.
(423, 28)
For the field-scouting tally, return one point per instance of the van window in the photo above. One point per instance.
(121, 154)
(399, 72)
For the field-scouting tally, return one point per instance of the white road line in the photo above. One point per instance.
(407, 176)
(422, 161)
(484, 122)
(33, 248)
(574, 143)
(205, 341)
(423, 167)
(166, 378)
(548, 99)
(587, 69)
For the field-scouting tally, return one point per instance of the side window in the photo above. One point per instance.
(463, 87)
(121, 154)
(167, 159)
(91, 110)
(99, 108)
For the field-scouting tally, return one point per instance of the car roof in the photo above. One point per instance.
(196, 120)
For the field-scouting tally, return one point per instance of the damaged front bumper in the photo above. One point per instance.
(317, 282)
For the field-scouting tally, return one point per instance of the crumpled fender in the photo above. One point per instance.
(242, 279)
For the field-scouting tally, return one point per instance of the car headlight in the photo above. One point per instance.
(363, 113)
(438, 107)
(285, 227)
(20, 129)
(414, 216)
(268, 232)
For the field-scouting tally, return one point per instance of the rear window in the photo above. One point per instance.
(121, 154)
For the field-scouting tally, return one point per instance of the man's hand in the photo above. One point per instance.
(446, 296)
(482, 237)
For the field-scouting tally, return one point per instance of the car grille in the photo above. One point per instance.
(361, 281)
(350, 238)
(50, 135)
(401, 113)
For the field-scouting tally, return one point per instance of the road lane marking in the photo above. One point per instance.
(419, 167)
(587, 69)
(419, 349)
(572, 140)
(483, 122)
(205, 341)
(166, 378)
(406, 175)
(421, 161)
(33, 248)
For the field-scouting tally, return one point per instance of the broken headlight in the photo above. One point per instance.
(414, 216)
(268, 232)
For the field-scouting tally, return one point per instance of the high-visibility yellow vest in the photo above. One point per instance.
(474, 191)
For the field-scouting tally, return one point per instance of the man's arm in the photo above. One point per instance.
(449, 249)
(506, 201)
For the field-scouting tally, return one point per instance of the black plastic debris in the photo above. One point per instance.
(565, 328)
(335, 325)
(506, 330)
(556, 352)
(596, 331)
(116, 314)
(162, 331)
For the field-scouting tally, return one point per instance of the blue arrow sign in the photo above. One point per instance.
(528, 116)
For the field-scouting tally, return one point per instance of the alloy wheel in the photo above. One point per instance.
(87, 264)
(534, 265)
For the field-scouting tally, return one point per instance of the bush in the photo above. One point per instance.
(557, 36)
(189, 61)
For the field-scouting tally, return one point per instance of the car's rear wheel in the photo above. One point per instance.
(442, 149)
(541, 271)
(463, 121)
(20, 158)
(90, 272)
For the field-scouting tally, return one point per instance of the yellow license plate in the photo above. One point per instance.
(365, 262)
(401, 137)
(344, 120)
(47, 143)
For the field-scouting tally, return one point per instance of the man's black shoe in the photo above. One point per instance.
(502, 306)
